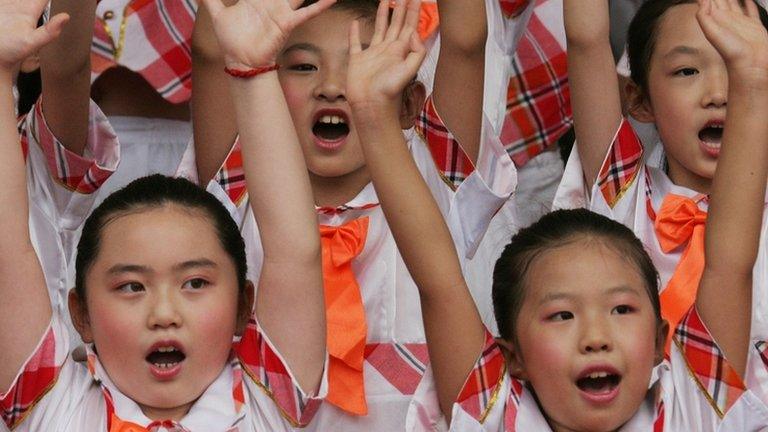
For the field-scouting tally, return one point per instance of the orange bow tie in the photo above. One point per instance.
(345, 315)
(680, 221)
(118, 425)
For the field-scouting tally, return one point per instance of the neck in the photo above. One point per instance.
(336, 191)
(683, 177)
(172, 413)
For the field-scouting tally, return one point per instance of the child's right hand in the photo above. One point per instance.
(252, 32)
(737, 34)
(20, 37)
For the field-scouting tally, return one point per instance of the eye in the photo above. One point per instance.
(195, 284)
(622, 310)
(303, 67)
(131, 287)
(560, 316)
(686, 72)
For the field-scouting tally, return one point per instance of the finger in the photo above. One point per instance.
(752, 10)
(39, 7)
(720, 4)
(42, 36)
(380, 26)
(412, 16)
(214, 6)
(303, 14)
(354, 38)
(295, 4)
(396, 24)
(416, 56)
(705, 9)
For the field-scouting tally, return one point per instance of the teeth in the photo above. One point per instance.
(596, 375)
(165, 365)
(332, 119)
(166, 349)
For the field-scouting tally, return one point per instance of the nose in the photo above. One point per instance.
(716, 93)
(595, 336)
(331, 87)
(164, 310)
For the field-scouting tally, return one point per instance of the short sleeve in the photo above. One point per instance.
(264, 365)
(37, 375)
(66, 179)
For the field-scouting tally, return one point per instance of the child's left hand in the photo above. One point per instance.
(379, 74)
(20, 37)
(737, 34)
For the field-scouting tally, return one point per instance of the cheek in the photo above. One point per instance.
(296, 94)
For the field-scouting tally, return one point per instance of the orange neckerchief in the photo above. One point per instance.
(429, 20)
(345, 315)
(680, 222)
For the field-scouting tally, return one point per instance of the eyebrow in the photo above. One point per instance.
(186, 265)
(682, 50)
(622, 289)
(303, 46)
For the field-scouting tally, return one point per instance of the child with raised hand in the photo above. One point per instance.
(161, 291)
(576, 295)
(376, 340)
(680, 82)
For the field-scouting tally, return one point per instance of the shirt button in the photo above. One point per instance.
(108, 15)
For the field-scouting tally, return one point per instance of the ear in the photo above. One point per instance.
(514, 359)
(244, 308)
(414, 96)
(30, 64)
(638, 104)
(661, 340)
(79, 314)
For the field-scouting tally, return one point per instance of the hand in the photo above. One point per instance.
(251, 33)
(736, 33)
(20, 37)
(381, 72)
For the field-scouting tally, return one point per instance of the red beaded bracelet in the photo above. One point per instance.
(250, 73)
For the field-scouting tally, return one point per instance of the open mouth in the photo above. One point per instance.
(166, 357)
(712, 133)
(331, 127)
(598, 383)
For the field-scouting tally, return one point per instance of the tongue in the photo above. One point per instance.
(597, 385)
(330, 132)
(711, 135)
(158, 357)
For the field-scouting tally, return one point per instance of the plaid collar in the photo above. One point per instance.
(220, 404)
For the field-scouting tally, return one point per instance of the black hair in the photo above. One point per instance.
(151, 192)
(642, 33)
(361, 9)
(559, 228)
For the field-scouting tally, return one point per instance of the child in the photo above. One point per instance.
(680, 82)
(575, 294)
(161, 289)
(376, 338)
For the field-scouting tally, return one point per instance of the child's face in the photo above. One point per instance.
(313, 75)
(162, 280)
(587, 337)
(688, 86)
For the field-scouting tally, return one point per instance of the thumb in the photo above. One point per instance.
(45, 34)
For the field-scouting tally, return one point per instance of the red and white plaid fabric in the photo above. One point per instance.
(513, 8)
(622, 164)
(75, 172)
(484, 381)
(38, 376)
(452, 162)
(762, 348)
(231, 175)
(707, 362)
(538, 95)
(267, 369)
(154, 40)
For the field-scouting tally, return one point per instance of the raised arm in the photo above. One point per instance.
(65, 68)
(213, 114)
(738, 190)
(290, 301)
(376, 78)
(592, 77)
(25, 310)
(459, 71)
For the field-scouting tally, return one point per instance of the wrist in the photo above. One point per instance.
(374, 110)
(748, 79)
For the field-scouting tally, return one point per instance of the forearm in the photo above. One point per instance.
(463, 26)
(593, 81)
(65, 67)
(290, 302)
(452, 324)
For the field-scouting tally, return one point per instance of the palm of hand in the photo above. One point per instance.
(379, 71)
(18, 20)
(740, 39)
(253, 32)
